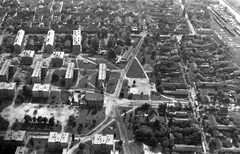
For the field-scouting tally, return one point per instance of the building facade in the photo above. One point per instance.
(36, 75)
(19, 41)
(94, 99)
(49, 46)
(102, 72)
(27, 57)
(19, 137)
(4, 71)
(7, 89)
(103, 143)
(69, 75)
(58, 140)
(77, 39)
(40, 90)
(57, 59)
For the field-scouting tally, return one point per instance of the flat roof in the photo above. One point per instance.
(58, 54)
(93, 97)
(37, 69)
(28, 53)
(58, 137)
(102, 71)
(14, 135)
(103, 139)
(10, 86)
(41, 87)
(19, 37)
(77, 37)
(20, 150)
(69, 72)
(5, 67)
(50, 37)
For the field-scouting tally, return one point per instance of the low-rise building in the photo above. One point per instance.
(4, 71)
(103, 143)
(69, 75)
(94, 99)
(21, 150)
(40, 90)
(187, 148)
(19, 41)
(7, 89)
(49, 46)
(66, 151)
(102, 72)
(58, 140)
(27, 57)
(36, 75)
(57, 59)
(77, 39)
(20, 137)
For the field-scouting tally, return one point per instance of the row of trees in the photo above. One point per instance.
(39, 119)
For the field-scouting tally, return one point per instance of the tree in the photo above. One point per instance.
(111, 43)
(112, 54)
(34, 119)
(27, 118)
(17, 80)
(128, 41)
(143, 61)
(62, 82)
(95, 43)
(153, 142)
(31, 141)
(27, 90)
(165, 143)
(130, 96)
(45, 120)
(18, 101)
(153, 54)
(55, 78)
(71, 119)
(39, 119)
(21, 97)
(51, 121)
(81, 146)
(134, 82)
(121, 95)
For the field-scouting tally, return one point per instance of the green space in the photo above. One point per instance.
(236, 118)
(112, 82)
(36, 127)
(4, 124)
(102, 59)
(149, 56)
(86, 64)
(112, 129)
(88, 79)
(86, 120)
(58, 77)
(135, 71)
(157, 96)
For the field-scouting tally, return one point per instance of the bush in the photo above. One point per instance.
(18, 101)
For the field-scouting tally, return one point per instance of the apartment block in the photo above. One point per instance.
(49, 46)
(40, 90)
(77, 39)
(18, 43)
(58, 140)
(4, 71)
(69, 75)
(7, 89)
(27, 57)
(36, 75)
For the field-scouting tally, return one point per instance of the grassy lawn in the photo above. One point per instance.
(236, 118)
(88, 79)
(88, 65)
(135, 71)
(36, 127)
(140, 97)
(86, 118)
(112, 129)
(24, 76)
(39, 143)
(61, 74)
(112, 82)
(102, 59)
(151, 77)
(157, 96)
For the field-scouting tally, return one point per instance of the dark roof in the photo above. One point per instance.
(94, 97)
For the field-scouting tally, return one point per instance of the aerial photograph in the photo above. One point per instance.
(120, 77)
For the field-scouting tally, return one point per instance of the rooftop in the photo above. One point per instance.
(69, 72)
(50, 37)
(5, 67)
(28, 53)
(20, 150)
(41, 87)
(37, 69)
(77, 37)
(19, 37)
(102, 71)
(58, 137)
(103, 139)
(58, 54)
(14, 135)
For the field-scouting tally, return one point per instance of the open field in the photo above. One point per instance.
(135, 71)
(112, 82)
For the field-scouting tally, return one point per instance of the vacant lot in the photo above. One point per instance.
(135, 71)
(112, 82)
(88, 119)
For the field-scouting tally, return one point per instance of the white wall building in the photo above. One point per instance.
(27, 57)
(36, 75)
(7, 89)
(17, 136)
(19, 41)
(58, 140)
(103, 142)
(69, 75)
(21, 150)
(4, 71)
(77, 39)
(102, 72)
(40, 90)
(49, 46)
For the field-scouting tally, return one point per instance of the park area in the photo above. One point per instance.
(135, 70)
(85, 120)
